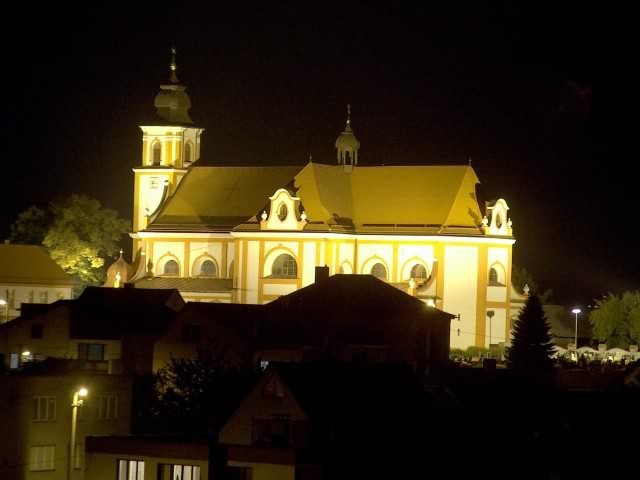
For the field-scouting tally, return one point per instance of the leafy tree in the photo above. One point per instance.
(199, 394)
(616, 319)
(77, 232)
(531, 348)
(31, 226)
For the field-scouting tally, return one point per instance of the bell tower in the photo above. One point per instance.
(170, 145)
(347, 146)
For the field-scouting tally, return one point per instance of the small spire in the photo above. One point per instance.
(348, 116)
(469, 161)
(173, 67)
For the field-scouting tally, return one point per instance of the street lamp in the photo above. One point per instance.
(490, 314)
(78, 401)
(576, 311)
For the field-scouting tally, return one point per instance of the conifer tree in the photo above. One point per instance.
(531, 348)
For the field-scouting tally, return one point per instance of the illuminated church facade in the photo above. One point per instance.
(249, 234)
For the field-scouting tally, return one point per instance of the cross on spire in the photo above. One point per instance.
(173, 66)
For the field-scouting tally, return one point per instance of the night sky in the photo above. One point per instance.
(538, 95)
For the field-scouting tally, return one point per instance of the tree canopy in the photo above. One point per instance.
(531, 348)
(616, 319)
(78, 232)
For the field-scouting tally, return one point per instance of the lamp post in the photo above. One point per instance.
(78, 400)
(490, 314)
(576, 311)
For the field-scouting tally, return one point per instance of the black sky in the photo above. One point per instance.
(537, 94)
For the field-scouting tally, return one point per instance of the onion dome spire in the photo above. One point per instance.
(347, 145)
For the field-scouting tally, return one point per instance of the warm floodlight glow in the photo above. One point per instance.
(83, 392)
(26, 353)
(3, 302)
(576, 311)
(431, 302)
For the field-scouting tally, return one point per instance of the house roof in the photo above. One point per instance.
(31, 264)
(371, 199)
(207, 285)
(110, 313)
(217, 198)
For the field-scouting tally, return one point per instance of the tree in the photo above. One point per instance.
(200, 393)
(531, 348)
(616, 319)
(77, 232)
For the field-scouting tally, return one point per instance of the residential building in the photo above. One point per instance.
(29, 275)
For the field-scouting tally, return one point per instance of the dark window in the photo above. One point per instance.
(91, 351)
(282, 212)
(191, 333)
(493, 276)
(208, 269)
(171, 268)
(360, 358)
(187, 153)
(36, 331)
(237, 473)
(498, 220)
(419, 272)
(271, 431)
(157, 153)
(379, 271)
(273, 389)
(284, 267)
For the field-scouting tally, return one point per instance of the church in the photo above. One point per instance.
(250, 234)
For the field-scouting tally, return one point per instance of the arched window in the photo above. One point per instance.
(282, 212)
(156, 153)
(499, 221)
(284, 267)
(493, 276)
(187, 152)
(171, 268)
(379, 271)
(208, 269)
(419, 272)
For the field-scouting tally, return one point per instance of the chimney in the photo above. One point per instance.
(322, 273)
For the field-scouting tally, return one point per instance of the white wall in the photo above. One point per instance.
(460, 292)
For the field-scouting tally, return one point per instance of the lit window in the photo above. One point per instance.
(14, 360)
(283, 211)
(418, 271)
(284, 267)
(379, 271)
(130, 470)
(44, 409)
(91, 351)
(187, 153)
(171, 268)
(157, 153)
(208, 269)
(42, 458)
(179, 472)
(107, 407)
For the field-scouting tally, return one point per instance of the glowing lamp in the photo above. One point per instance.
(83, 392)
(576, 311)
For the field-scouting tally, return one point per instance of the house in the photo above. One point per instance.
(140, 457)
(330, 420)
(105, 329)
(29, 275)
(36, 415)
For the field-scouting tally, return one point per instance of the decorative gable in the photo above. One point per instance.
(283, 213)
(500, 223)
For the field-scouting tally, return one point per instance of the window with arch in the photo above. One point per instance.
(284, 266)
(499, 221)
(419, 272)
(283, 211)
(496, 275)
(187, 152)
(156, 153)
(345, 268)
(171, 267)
(208, 269)
(379, 271)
